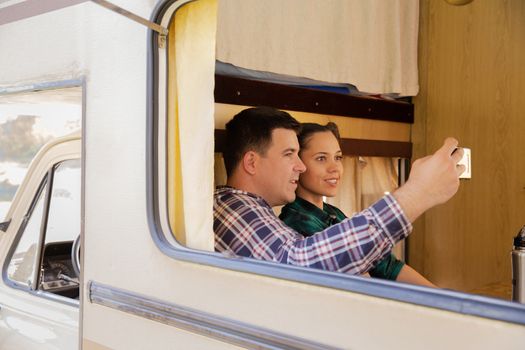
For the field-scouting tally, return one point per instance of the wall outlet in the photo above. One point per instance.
(466, 160)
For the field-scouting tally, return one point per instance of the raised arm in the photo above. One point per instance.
(356, 243)
(433, 180)
(245, 224)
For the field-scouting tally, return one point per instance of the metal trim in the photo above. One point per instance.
(43, 227)
(31, 8)
(117, 9)
(82, 214)
(56, 297)
(221, 328)
(442, 299)
(18, 236)
(48, 85)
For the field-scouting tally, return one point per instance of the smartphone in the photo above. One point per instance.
(466, 161)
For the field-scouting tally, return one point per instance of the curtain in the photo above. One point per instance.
(365, 180)
(220, 171)
(371, 44)
(191, 67)
(348, 198)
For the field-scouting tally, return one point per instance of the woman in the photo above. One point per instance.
(321, 153)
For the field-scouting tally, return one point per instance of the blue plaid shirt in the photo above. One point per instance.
(246, 225)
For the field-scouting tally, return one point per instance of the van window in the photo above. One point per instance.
(186, 129)
(63, 223)
(192, 168)
(44, 256)
(185, 168)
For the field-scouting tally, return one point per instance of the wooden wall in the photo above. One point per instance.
(472, 86)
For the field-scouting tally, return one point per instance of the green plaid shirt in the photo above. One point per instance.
(307, 219)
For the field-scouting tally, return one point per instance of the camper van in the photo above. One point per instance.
(107, 242)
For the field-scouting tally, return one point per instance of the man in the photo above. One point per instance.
(263, 167)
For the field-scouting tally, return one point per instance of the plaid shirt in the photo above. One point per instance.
(307, 219)
(246, 225)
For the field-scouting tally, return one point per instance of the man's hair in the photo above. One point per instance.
(309, 129)
(251, 130)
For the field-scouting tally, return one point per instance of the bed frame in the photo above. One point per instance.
(247, 92)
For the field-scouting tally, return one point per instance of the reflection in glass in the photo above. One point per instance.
(64, 208)
(27, 121)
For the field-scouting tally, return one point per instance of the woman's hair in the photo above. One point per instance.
(309, 129)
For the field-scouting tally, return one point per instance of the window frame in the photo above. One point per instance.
(448, 300)
(41, 190)
(46, 188)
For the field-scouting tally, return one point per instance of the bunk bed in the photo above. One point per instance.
(313, 97)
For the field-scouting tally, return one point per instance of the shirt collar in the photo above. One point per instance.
(224, 189)
(326, 214)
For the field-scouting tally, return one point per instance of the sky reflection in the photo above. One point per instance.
(27, 121)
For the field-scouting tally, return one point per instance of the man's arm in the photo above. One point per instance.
(252, 229)
(433, 180)
(356, 243)
(245, 225)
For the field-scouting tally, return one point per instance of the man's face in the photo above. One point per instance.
(279, 168)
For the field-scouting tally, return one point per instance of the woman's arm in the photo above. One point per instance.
(409, 275)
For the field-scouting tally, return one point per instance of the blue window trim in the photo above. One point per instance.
(442, 299)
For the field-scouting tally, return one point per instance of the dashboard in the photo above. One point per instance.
(57, 275)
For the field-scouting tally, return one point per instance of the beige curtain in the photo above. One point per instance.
(350, 190)
(369, 43)
(220, 170)
(191, 67)
(365, 180)
(380, 175)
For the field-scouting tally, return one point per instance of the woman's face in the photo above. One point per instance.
(324, 168)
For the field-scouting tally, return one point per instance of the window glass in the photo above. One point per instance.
(23, 262)
(63, 226)
(64, 208)
(27, 121)
(57, 274)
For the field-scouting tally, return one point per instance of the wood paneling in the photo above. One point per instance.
(350, 147)
(472, 86)
(240, 91)
(355, 128)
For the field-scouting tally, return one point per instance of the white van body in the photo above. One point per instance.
(135, 291)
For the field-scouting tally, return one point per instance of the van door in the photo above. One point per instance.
(39, 291)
